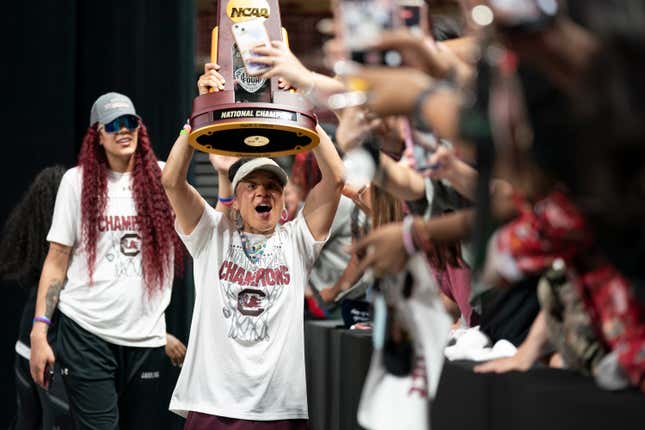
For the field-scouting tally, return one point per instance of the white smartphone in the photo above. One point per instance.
(248, 35)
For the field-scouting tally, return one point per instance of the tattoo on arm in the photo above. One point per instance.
(51, 299)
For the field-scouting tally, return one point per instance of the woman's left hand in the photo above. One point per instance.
(175, 350)
(211, 79)
(385, 252)
(284, 64)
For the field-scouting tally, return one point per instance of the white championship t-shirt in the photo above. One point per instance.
(245, 355)
(116, 307)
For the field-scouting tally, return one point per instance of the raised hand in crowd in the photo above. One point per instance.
(387, 96)
(423, 53)
(446, 165)
(283, 64)
(353, 127)
(384, 248)
(435, 103)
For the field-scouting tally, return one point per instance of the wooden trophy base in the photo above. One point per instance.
(252, 129)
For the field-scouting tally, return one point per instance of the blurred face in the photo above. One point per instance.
(293, 196)
(119, 145)
(259, 199)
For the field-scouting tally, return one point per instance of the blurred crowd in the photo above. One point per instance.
(505, 144)
(494, 188)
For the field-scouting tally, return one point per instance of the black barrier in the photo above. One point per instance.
(542, 398)
(337, 362)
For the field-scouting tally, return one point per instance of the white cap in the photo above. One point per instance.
(261, 163)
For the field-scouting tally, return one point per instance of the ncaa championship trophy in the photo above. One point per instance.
(251, 117)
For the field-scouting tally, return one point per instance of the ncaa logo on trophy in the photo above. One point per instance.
(251, 116)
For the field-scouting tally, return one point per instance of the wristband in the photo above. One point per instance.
(42, 319)
(419, 239)
(408, 243)
(226, 201)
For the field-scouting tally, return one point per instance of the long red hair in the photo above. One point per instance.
(158, 238)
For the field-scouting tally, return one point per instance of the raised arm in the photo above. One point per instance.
(386, 252)
(462, 177)
(222, 164)
(184, 199)
(285, 65)
(322, 202)
(400, 180)
(52, 280)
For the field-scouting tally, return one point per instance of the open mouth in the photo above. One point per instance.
(263, 208)
(124, 140)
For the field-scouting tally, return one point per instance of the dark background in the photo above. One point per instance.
(58, 57)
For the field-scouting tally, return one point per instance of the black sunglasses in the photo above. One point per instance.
(130, 122)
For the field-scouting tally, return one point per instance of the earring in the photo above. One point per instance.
(285, 215)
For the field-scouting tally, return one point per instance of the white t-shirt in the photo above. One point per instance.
(116, 307)
(245, 355)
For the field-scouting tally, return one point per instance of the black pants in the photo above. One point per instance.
(36, 408)
(110, 386)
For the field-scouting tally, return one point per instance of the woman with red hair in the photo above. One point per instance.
(109, 271)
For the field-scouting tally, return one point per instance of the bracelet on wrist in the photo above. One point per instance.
(42, 319)
(418, 237)
(406, 232)
(226, 201)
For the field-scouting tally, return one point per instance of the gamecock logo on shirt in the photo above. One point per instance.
(250, 302)
(130, 244)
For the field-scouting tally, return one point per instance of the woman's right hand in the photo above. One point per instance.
(211, 79)
(444, 164)
(221, 163)
(41, 356)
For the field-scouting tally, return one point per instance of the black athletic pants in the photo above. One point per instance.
(110, 386)
(38, 409)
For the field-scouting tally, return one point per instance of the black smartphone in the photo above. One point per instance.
(413, 14)
(48, 375)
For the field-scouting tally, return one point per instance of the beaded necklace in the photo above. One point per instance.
(253, 252)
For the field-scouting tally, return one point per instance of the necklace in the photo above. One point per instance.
(253, 252)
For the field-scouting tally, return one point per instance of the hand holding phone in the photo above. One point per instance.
(248, 35)
(362, 22)
(48, 375)
(421, 148)
(413, 14)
